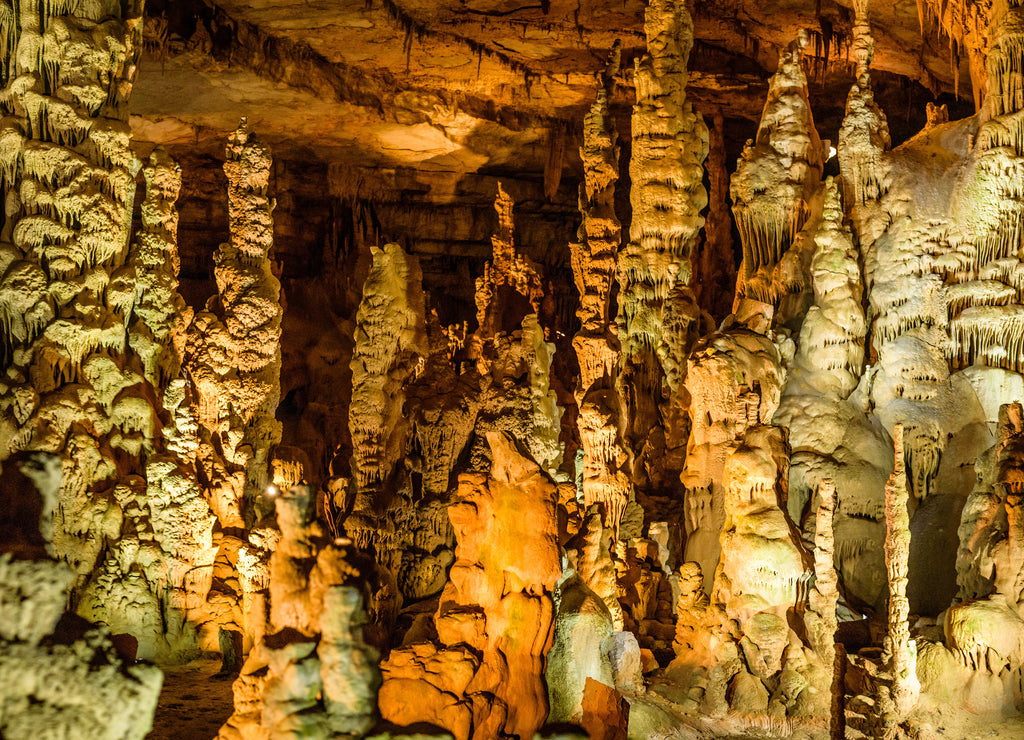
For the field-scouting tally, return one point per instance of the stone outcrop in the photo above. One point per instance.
(58, 678)
(484, 676)
(312, 674)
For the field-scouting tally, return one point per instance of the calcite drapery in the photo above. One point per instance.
(485, 678)
(775, 191)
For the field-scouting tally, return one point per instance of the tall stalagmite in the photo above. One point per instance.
(776, 191)
(390, 345)
(657, 312)
(901, 660)
(233, 359)
(593, 262)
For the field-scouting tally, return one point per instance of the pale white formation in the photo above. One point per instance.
(776, 192)
(53, 684)
(902, 663)
(735, 378)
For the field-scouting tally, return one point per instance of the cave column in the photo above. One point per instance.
(657, 312)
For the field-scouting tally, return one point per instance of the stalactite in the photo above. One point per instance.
(670, 143)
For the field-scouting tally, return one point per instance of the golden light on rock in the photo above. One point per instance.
(511, 371)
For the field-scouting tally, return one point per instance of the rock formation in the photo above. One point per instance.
(312, 674)
(657, 312)
(594, 259)
(233, 361)
(484, 676)
(524, 453)
(58, 677)
(775, 191)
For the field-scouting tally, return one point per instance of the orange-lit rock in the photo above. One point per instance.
(497, 603)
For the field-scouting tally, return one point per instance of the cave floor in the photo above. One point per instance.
(193, 703)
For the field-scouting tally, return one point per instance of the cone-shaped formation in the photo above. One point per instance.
(775, 187)
(390, 345)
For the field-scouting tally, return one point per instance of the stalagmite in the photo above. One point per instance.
(312, 675)
(864, 134)
(485, 677)
(506, 275)
(774, 190)
(657, 313)
(233, 359)
(52, 683)
(734, 379)
(902, 663)
(389, 345)
(714, 273)
(593, 262)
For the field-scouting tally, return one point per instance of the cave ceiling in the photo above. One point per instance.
(455, 87)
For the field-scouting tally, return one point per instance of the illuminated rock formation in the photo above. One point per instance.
(54, 682)
(901, 659)
(389, 344)
(312, 675)
(95, 324)
(832, 435)
(775, 191)
(507, 275)
(735, 378)
(233, 359)
(990, 524)
(484, 677)
(605, 481)
(657, 313)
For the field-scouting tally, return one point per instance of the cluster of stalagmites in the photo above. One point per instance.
(849, 441)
